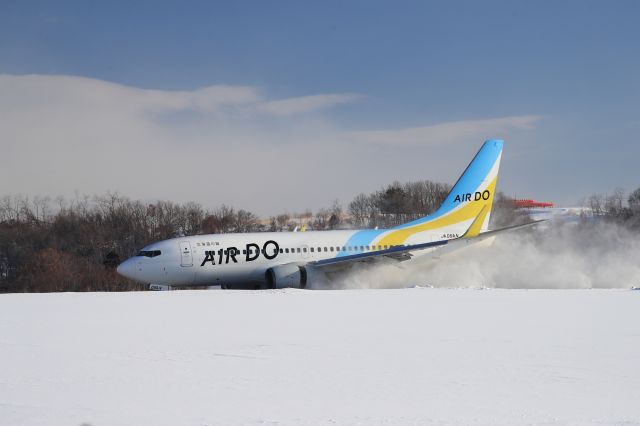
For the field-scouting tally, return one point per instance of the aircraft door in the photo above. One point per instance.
(185, 252)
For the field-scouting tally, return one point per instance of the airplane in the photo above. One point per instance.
(309, 259)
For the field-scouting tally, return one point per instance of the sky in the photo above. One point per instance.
(286, 106)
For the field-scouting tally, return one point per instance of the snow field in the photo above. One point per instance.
(410, 356)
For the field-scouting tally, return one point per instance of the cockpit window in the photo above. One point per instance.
(149, 253)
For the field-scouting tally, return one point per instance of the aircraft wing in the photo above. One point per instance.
(402, 253)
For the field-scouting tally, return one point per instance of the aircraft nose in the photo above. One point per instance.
(127, 269)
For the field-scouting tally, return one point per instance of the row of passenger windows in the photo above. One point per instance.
(316, 249)
(312, 249)
(334, 248)
(154, 253)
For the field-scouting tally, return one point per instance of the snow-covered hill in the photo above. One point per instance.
(414, 356)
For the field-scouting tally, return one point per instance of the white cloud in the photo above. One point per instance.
(218, 144)
(306, 103)
(444, 133)
(50, 88)
(210, 99)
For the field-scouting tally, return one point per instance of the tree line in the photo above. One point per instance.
(75, 245)
(397, 203)
(616, 207)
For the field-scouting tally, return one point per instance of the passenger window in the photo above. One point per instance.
(298, 249)
(311, 249)
(286, 250)
(331, 248)
(325, 249)
(319, 249)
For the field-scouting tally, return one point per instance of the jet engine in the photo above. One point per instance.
(289, 275)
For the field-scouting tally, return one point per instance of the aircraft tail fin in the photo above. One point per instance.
(476, 186)
(467, 207)
(473, 193)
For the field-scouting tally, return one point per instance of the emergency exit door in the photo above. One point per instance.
(185, 250)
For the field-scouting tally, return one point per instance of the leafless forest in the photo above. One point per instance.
(75, 245)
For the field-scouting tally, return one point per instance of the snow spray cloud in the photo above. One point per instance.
(559, 255)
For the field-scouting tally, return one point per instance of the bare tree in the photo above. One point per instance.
(596, 203)
(322, 219)
(359, 210)
(335, 219)
(246, 221)
(614, 203)
(282, 221)
(634, 200)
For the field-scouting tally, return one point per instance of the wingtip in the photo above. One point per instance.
(497, 143)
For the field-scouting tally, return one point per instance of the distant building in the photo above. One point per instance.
(530, 204)
(543, 210)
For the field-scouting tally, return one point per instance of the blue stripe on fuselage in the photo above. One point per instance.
(362, 238)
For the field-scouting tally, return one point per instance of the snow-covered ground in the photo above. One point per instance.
(412, 356)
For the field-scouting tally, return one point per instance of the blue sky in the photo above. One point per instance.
(574, 66)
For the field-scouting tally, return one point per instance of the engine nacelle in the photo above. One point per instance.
(289, 275)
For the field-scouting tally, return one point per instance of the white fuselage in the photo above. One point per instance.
(228, 259)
